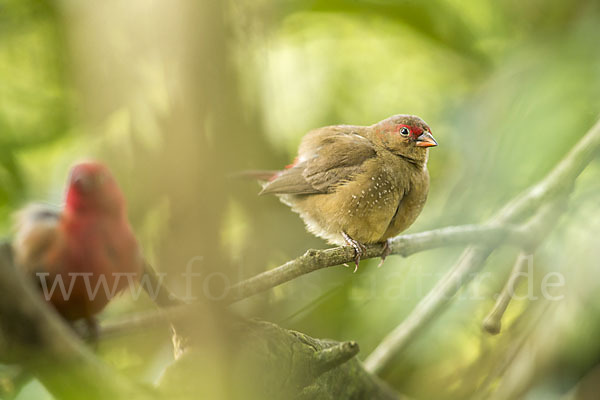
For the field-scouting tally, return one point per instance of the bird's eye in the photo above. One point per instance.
(404, 131)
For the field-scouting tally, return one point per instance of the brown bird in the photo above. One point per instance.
(358, 184)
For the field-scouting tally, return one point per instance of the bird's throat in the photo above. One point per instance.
(414, 161)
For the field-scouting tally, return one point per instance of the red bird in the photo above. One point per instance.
(86, 254)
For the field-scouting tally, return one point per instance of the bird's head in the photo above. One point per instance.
(405, 135)
(92, 188)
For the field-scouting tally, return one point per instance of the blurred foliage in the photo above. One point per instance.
(176, 97)
(33, 94)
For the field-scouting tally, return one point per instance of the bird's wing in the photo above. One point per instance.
(36, 230)
(290, 181)
(327, 158)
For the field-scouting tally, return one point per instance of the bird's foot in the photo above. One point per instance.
(386, 252)
(359, 249)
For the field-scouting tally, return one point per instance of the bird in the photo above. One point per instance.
(357, 185)
(83, 254)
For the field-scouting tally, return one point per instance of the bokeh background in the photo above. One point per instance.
(177, 97)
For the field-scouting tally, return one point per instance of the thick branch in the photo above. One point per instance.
(265, 361)
(557, 182)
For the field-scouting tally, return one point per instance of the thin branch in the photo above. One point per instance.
(539, 227)
(493, 322)
(559, 180)
(403, 245)
(470, 262)
(314, 260)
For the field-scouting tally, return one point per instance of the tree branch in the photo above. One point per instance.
(539, 227)
(314, 260)
(266, 361)
(334, 356)
(493, 322)
(403, 245)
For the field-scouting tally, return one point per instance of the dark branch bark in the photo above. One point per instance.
(292, 366)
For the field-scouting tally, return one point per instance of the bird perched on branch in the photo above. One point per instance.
(85, 254)
(358, 184)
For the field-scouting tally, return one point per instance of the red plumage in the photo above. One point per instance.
(89, 245)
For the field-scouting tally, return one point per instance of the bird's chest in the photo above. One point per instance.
(409, 204)
(93, 247)
(375, 194)
(394, 194)
(384, 190)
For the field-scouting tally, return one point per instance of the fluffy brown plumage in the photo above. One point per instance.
(358, 184)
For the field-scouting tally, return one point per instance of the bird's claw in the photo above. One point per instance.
(386, 252)
(359, 249)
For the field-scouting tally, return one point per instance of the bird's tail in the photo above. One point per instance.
(261, 175)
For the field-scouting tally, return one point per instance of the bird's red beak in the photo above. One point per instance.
(426, 140)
